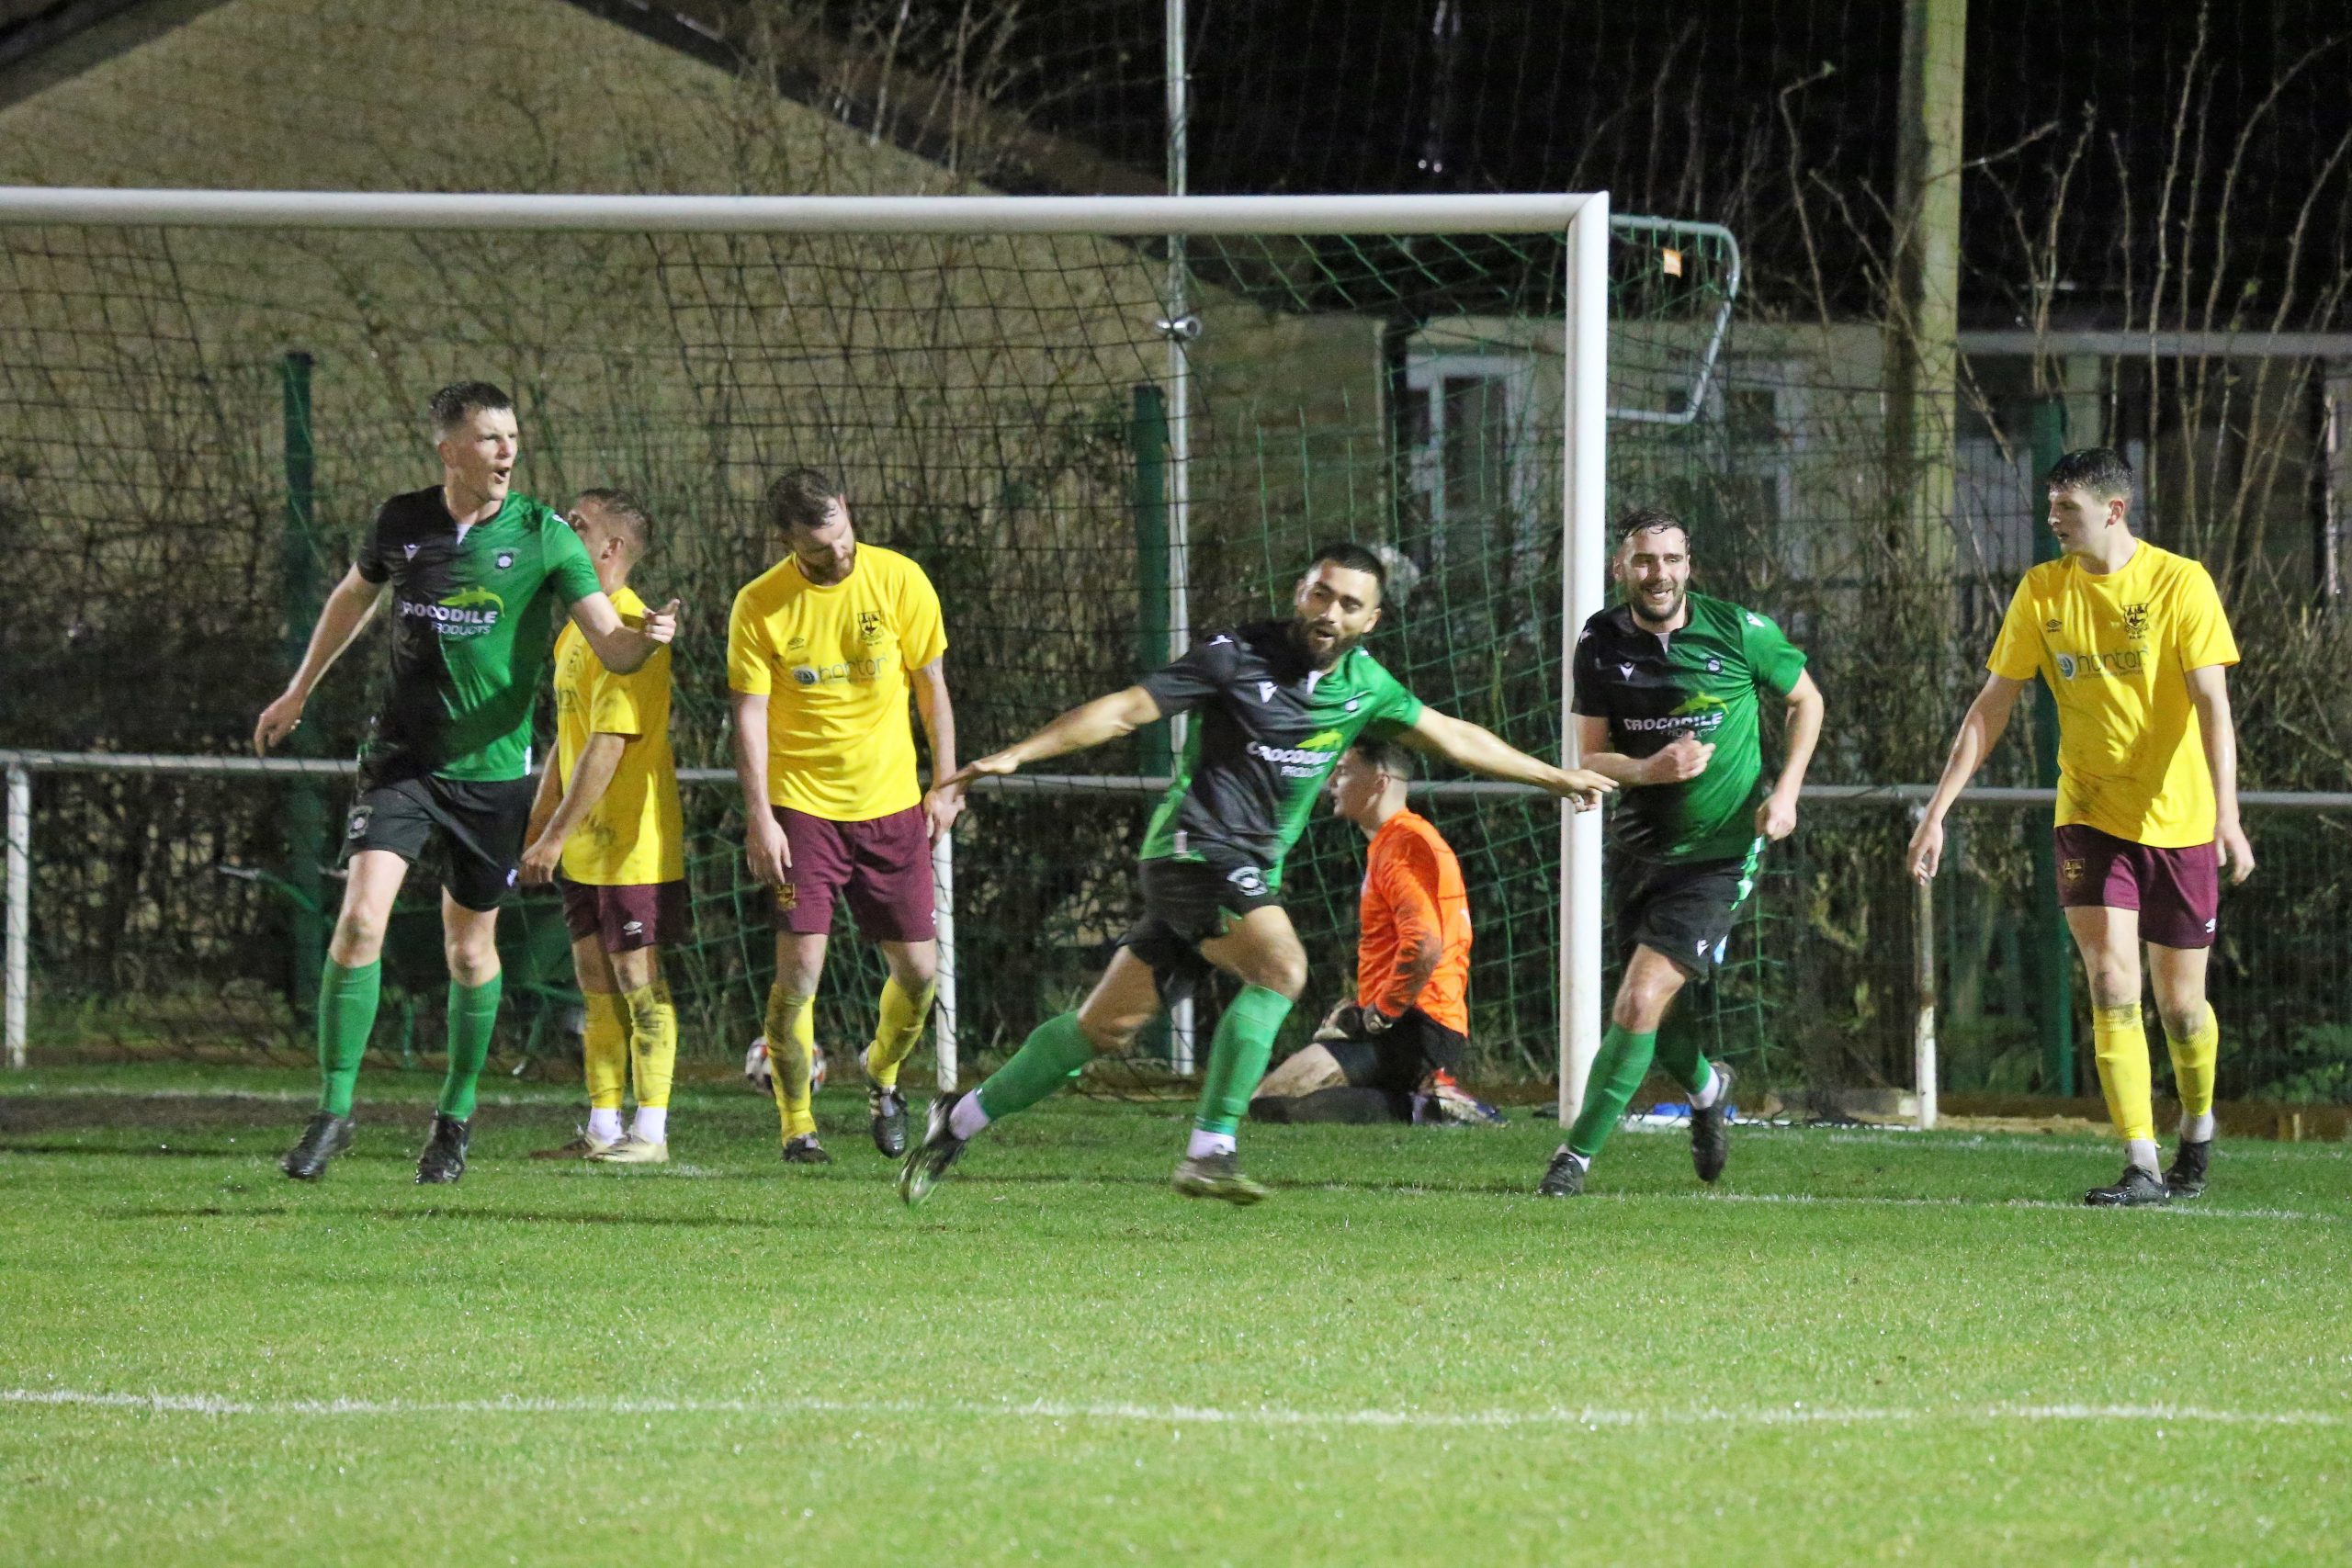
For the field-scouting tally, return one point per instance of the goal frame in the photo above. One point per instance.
(1582, 218)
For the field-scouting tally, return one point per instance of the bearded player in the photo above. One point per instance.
(823, 650)
(478, 576)
(1666, 698)
(1275, 704)
(2134, 647)
(606, 828)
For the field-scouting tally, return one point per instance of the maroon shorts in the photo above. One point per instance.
(627, 916)
(2176, 892)
(884, 866)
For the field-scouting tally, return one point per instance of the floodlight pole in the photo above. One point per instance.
(21, 911)
(1583, 567)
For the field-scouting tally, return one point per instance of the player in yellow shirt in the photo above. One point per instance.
(605, 826)
(822, 651)
(2135, 646)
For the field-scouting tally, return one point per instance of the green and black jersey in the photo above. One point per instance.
(1700, 680)
(1269, 730)
(474, 613)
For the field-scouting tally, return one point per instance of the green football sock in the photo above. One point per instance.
(1237, 1056)
(1685, 1062)
(1617, 1072)
(346, 1017)
(1055, 1049)
(473, 1012)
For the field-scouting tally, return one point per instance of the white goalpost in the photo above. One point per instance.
(1582, 220)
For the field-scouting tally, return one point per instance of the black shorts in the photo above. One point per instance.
(1399, 1057)
(1186, 903)
(478, 825)
(1682, 908)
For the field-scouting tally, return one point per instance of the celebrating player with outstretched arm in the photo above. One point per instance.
(822, 651)
(1275, 704)
(605, 826)
(1666, 703)
(479, 576)
(2133, 645)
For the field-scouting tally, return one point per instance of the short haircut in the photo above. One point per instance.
(1354, 557)
(624, 508)
(2101, 470)
(1385, 754)
(1646, 519)
(800, 498)
(453, 402)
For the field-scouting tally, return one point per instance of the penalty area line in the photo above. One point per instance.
(1590, 1418)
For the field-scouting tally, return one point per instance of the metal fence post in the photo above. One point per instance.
(943, 1017)
(20, 913)
(1923, 975)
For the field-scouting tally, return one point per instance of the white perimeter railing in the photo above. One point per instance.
(23, 765)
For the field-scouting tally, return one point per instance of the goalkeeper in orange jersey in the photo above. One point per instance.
(1394, 1052)
(2134, 647)
(605, 826)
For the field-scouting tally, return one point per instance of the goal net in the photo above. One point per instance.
(1096, 440)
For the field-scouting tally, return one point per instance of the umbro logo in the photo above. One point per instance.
(631, 928)
(1266, 691)
(1219, 639)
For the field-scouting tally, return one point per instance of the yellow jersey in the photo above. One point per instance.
(2116, 650)
(837, 664)
(635, 834)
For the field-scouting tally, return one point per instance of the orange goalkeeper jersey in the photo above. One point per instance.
(1412, 895)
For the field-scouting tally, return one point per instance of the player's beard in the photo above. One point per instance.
(1640, 604)
(1300, 639)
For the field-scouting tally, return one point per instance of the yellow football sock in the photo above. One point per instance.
(652, 1042)
(2192, 1064)
(791, 1051)
(603, 1046)
(2121, 1044)
(896, 1032)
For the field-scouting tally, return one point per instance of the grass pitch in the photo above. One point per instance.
(1865, 1345)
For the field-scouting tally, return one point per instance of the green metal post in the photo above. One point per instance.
(1149, 435)
(1155, 755)
(2054, 954)
(306, 812)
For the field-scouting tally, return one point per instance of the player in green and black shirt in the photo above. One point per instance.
(1665, 703)
(1274, 705)
(478, 576)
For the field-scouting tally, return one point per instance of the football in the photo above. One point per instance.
(756, 1074)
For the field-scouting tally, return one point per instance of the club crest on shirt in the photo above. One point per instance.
(503, 559)
(869, 625)
(2135, 621)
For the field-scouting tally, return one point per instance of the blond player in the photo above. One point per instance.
(2133, 645)
(605, 826)
(822, 651)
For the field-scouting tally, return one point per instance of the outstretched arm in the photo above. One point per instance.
(2209, 689)
(1090, 724)
(1775, 819)
(340, 618)
(1466, 745)
(621, 648)
(1986, 718)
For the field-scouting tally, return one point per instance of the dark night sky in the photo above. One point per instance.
(1678, 110)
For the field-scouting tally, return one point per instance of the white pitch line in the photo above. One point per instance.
(1840, 1199)
(1589, 1416)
